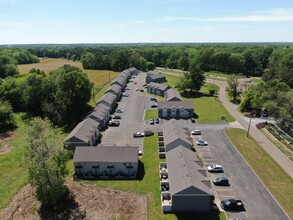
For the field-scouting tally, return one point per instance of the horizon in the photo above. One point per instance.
(142, 21)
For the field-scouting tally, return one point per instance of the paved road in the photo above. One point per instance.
(267, 145)
(244, 184)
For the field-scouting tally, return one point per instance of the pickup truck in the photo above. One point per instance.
(232, 204)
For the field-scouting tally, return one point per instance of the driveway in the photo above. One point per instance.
(266, 144)
(132, 118)
(244, 184)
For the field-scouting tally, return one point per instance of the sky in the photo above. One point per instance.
(145, 21)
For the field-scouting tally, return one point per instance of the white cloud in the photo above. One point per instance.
(273, 15)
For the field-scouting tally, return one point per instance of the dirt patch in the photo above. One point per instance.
(86, 201)
(4, 139)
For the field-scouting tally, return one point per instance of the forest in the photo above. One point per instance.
(34, 92)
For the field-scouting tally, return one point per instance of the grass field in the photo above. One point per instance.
(151, 114)
(272, 175)
(13, 173)
(208, 108)
(149, 184)
(98, 77)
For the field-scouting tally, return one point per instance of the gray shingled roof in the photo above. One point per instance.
(173, 131)
(158, 86)
(106, 154)
(84, 130)
(171, 93)
(100, 112)
(155, 74)
(176, 104)
(126, 73)
(185, 175)
(121, 80)
(114, 88)
(132, 69)
(109, 98)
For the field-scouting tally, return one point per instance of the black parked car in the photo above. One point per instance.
(221, 181)
(157, 120)
(116, 117)
(232, 205)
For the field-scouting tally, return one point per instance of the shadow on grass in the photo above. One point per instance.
(68, 209)
(189, 94)
(140, 170)
(212, 215)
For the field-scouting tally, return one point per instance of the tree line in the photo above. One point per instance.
(61, 96)
(267, 61)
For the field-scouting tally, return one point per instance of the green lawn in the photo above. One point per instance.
(272, 175)
(13, 172)
(208, 108)
(172, 80)
(151, 114)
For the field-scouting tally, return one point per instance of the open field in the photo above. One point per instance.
(13, 173)
(98, 77)
(208, 108)
(279, 183)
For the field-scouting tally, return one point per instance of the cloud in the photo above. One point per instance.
(273, 15)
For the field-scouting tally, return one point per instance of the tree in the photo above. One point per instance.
(196, 75)
(46, 162)
(150, 66)
(193, 80)
(233, 86)
(8, 66)
(6, 114)
(66, 94)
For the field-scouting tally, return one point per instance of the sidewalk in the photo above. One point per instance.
(266, 144)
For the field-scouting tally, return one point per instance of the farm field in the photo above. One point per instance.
(98, 77)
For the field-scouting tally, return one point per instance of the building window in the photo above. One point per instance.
(110, 167)
(95, 167)
(129, 167)
(78, 167)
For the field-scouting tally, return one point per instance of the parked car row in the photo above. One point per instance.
(153, 121)
(229, 204)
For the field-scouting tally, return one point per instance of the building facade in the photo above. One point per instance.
(157, 89)
(176, 109)
(111, 162)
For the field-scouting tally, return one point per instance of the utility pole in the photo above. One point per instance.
(249, 126)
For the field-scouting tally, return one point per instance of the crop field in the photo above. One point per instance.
(98, 77)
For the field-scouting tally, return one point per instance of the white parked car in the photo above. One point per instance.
(215, 168)
(195, 132)
(138, 134)
(139, 153)
(201, 143)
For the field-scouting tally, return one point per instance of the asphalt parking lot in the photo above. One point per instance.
(132, 118)
(244, 184)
